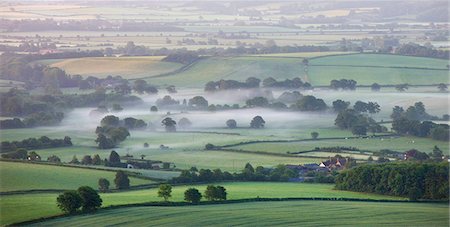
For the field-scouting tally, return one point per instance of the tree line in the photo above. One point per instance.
(35, 143)
(279, 173)
(253, 82)
(416, 121)
(410, 179)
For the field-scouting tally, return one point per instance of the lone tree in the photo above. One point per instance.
(192, 195)
(165, 191)
(114, 158)
(257, 122)
(169, 124)
(375, 87)
(231, 123)
(103, 185)
(184, 123)
(314, 135)
(154, 109)
(121, 180)
(91, 201)
(442, 87)
(69, 201)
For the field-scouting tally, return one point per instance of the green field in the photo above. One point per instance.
(364, 68)
(21, 176)
(382, 60)
(40, 205)
(291, 213)
(127, 67)
(400, 144)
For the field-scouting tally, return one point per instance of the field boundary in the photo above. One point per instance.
(131, 173)
(305, 140)
(205, 203)
(176, 71)
(376, 66)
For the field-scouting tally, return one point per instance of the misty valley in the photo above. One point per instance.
(220, 113)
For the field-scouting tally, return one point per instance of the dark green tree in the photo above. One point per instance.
(169, 124)
(114, 157)
(192, 195)
(257, 122)
(91, 200)
(165, 191)
(103, 185)
(69, 201)
(121, 180)
(231, 123)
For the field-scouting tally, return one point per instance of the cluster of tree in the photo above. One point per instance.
(309, 103)
(303, 103)
(295, 83)
(369, 107)
(33, 120)
(411, 179)
(121, 181)
(412, 49)
(186, 57)
(416, 112)
(111, 132)
(84, 197)
(253, 82)
(212, 193)
(279, 173)
(290, 97)
(22, 154)
(430, 129)
(343, 84)
(35, 143)
(411, 122)
(414, 155)
(141, 86)
(39, 110)
(358, 123)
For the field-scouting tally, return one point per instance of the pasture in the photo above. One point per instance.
(43, 204)
(400, 144)
(17, 176)
(127, 67)
(290, 213)
(367, 69)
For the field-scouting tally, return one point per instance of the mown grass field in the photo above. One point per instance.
(383, 60)
(364, 68)
(40, 205)
(127, 67)
(291, 213)
(21, 176)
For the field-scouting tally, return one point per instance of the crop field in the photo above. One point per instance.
(22, 176)
(311, 213)
(127, 67)
(43, 204)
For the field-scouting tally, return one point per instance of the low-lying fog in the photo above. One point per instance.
(80, 119)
